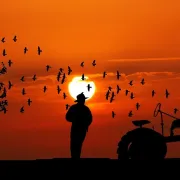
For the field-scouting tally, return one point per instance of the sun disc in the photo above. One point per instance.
(77, 86)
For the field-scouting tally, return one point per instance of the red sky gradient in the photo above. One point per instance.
(139, 38)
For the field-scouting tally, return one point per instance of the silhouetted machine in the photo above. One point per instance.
(145, 143)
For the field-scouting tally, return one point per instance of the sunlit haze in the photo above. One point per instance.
(77, 86)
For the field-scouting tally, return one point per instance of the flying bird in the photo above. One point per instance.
(5, 102)
(61, 70)
(4, 52)
(112, 97)
(175, 110)
(29, 101)
(137, 106)
(118, 75)
(130, 114)
(48, 67)
(118, 89)
(63, 78)
(58, 89)
(15, 38)
(64, 95)
(22, 109)
(4, 109)
(58, 76)
(67, 106)
(132, 95)
(104, 74)
(39, 50)
(1, 85)
(89, 87)
(34, 77)
(110, 88)
(69, 70)
(25, 50)
(167, 93)
(3, 40)
(94, 63)
(126, 92)
(23, 91)
(142, 81)
(9, 84)
(45, 89)
(10, 63)
(83, 78)
(3, 95)
(22, 79)
(113, 114)
(153, 93)
(131, 83)
(107, 95)
(82, 64)
(4, 69)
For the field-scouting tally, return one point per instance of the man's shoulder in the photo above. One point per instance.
(73, 106)
(87, 108)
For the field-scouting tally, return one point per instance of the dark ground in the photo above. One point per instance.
(86, 167)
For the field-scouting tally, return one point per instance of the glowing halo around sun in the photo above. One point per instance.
(77, 86)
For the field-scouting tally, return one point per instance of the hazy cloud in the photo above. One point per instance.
(131, 67)
(125, 66)
(134, 76)
(144, 59)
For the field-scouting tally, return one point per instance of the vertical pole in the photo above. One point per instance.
(162, 124)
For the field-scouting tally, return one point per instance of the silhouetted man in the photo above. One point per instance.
(80, 116)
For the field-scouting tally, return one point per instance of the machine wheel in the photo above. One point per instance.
(142, 143)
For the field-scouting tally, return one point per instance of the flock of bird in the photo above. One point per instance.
(39, 50)
(118, 89)
(61, 77)
(3, 70)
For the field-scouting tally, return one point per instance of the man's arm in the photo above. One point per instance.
(89, 117)
(69, 114)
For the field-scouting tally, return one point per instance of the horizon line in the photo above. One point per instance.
(143, 59)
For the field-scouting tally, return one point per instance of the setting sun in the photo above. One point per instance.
(77, 86)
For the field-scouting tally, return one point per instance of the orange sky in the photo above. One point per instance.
(139, 38)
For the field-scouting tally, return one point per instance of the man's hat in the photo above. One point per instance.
(80, 97)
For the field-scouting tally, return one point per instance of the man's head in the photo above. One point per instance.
(81, 98)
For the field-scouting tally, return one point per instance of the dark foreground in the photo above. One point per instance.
(84, 167)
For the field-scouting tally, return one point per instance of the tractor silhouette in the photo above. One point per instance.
(145, 143)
